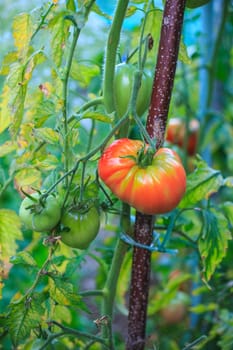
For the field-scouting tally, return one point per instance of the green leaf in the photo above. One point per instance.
(97, 116)
(24, 258)
(24, 316)
(84, 73)
(10, 58)
(59, 29)
(169, 295)
(227, 209)
(46, 162)
(9, 232)
(47, 134)
(183, 54)
(7, 147)
(95, 8)
(22, 32)
(214, 241)
(202, 308)
(201, 184)
(131, 11)
(63, 293)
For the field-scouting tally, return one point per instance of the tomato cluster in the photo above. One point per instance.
(154, 188)
(77, 227)
(123, 86)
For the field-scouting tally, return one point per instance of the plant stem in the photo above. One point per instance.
(77, 29)
(65, 98)
(118, 258)
(111, 52)
(71, 331)
(156, 125)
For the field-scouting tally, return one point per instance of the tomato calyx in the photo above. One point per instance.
(38, 203)
(145, 156)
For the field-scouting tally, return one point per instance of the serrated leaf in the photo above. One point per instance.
(28, 177)
(24, 317)
(84, 73)
(59, 29)
(7, 147)
(46, 162)
(201, 184)
(63, 293)
(22, 32)
(24, 258)
(214, 241)
(9, 232)
(47, 134)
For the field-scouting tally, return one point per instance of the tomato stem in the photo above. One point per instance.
(145, 158)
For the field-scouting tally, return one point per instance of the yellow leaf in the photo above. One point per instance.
(27, 178)
(5, 117)
(9, 232)
(22, 32)
(7, 148)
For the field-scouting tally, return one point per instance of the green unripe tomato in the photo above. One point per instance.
(192, 4)
(123, 86)
(80, 228)
(37, 216)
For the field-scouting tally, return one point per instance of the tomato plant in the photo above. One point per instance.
(40, 214)
(80, 227)
(176, 131)
(123, 85)
(151, 188)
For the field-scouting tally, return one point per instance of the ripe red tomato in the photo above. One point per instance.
(176, 130)
(80, 228)
(123, 85)
(152, 189)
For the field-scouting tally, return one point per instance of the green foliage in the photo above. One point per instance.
(9, 232)
(23, 317)
(53, 127)
(213, 242)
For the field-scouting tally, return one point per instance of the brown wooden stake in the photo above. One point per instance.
(156, 126)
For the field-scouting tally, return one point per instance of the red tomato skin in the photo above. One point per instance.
(155, 189)
(176, 130)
